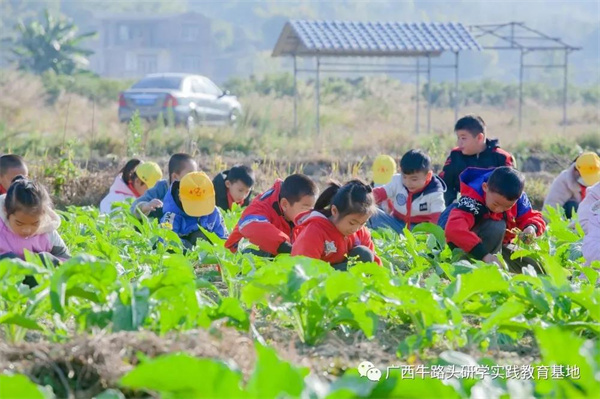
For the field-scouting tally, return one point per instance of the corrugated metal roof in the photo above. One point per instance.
(345, 38)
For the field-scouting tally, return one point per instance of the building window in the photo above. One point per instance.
(191, 63)
(147, 64)
(130, 62)
(189, 33)
(123, 34)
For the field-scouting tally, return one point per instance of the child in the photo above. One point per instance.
(591, 240)
(473, 150)
(336, 230)
(27, 222)
(190, 203)
(268, 220)
(133, 181)
(417, 194)
(150, 203)
(11, 166)
(234, 185)
(570, 186)
(585, 208)
(491, 206)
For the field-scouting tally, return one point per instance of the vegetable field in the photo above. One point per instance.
(426, 324)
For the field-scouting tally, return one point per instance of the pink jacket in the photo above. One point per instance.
(585, 208)
(591, 241)
(119, 192)
(46, 239)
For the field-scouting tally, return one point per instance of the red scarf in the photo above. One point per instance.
(230, 200)
(2, 190)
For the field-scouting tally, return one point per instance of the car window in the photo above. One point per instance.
(159, 82)
(198, 86)
(211, 88)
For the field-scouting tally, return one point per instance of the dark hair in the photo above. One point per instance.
(178, 162)
(353, 197)
(415, 161)
(128, 171)
(472, 124)
(507, 182)
(11, 161)
(26, 195)
(296, 186)
(241, 173)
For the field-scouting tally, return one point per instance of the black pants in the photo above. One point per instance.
(189, 241)
(492, 234)
(570, 207)
(362, 253)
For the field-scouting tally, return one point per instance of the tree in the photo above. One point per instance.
(50, 45)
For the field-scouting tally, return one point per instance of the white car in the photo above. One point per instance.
(191, 99)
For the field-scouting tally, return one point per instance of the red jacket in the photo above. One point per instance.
(471, 210)
(262, 223)
(317, 237)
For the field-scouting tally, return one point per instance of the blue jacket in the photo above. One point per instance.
(183, 224)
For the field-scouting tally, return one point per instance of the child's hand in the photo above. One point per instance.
(151, 206)
(489, 258)
(528, 235)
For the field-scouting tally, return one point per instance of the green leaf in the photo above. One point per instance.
(19, 386)
(180, 376)
(482, 280)
(232, 308)
(21, 321)
(509, 309)
(364, 318)
(562, 348)
(417, 388)
(341, 283)
(435, 230)
(272, 377)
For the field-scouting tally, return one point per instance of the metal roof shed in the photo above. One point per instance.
(320, 39)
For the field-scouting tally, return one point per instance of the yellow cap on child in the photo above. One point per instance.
(197, 194)
(149, 173)
(588, 166)
(384, 168)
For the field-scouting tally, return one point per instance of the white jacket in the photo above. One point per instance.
(564, 188)
(119, 192)
(411, 208)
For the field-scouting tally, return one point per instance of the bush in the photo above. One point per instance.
(103, 91)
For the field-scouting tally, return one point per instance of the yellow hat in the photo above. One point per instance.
(149, 173)
(588, 166)
(384, 168)
(197, 194)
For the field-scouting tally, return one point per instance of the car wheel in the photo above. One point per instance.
(235, 118)
(191, 122)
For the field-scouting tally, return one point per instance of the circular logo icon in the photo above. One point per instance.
(401, 199)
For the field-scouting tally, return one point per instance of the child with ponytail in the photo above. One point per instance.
(335, 230)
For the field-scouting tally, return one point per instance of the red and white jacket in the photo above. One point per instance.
(263, 223)
(317, 237)
(421, 206)
(471, 210)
